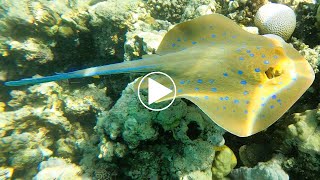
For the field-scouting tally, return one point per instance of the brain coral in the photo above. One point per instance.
(276, 19)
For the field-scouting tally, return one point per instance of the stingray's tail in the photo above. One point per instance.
(125, 67)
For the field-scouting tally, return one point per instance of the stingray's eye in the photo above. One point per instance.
(273, 72)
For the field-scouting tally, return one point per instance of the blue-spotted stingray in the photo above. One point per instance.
(243, 82)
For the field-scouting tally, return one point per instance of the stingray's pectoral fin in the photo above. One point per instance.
(235, 120)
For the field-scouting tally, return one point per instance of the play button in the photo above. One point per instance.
(156, 90)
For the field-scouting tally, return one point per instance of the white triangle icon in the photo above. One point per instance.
(156, 91)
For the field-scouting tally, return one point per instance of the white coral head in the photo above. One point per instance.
(276, 19)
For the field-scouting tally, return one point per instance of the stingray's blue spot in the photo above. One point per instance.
(241, 58)
(182, 82)
(278, 100)
(202, 39)
(196, 89)
(226, 98)
(247, 102)
(263, 104)
(251, 55)
(214, 89)
(238, 50)
(233, 37)
(179, 90)
(243, 82)
(274, 96)
(173, 45)
(258, 47)
(263, 55)
(193, 42)
(248, 51)
(178, 39)
(263, 116)
(221, 98)
(294, 79)
(206, 97)
(213, 35)
(199, 81)
(236, 101)
(188, 82)
(257, 70)
(240, 72)
(246, 111)
(213, 43)
(266, 62)
(245, 92)
(225, 74)
(211, 81)
(272, 106)
(275, 57)
(224, 107)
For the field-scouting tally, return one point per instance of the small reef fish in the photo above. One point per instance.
(242, 81)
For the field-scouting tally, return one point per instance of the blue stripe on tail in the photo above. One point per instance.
(76, 74)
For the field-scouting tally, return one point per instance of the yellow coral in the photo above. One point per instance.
(2, 106)
(223, 163)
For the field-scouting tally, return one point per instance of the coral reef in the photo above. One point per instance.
(276, 19)
(180, 10)
(167, 10)
(270, 170)
(46, 120)
(318, 17)
(241, 11)
(120, 17)
(71, 131)
(33, 31)
(251, 154)
(306, 29)
(301, 134)
(56, 168)
(294, 4)
(190, 131)
(311, 54)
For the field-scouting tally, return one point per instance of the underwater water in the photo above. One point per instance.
(232, 94)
